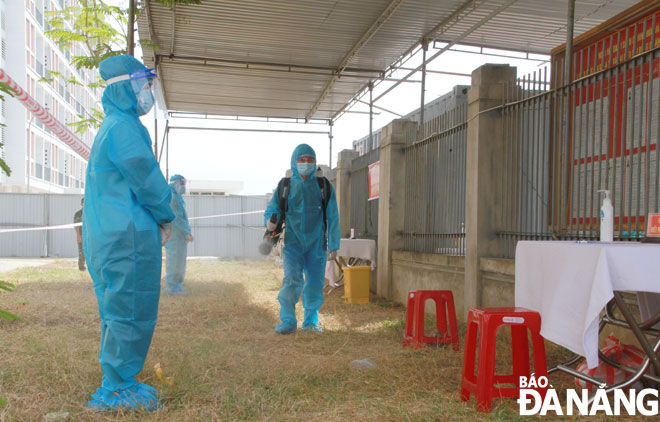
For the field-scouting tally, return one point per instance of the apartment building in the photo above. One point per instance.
(39, 161)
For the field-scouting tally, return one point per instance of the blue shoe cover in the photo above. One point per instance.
(285, 328)
(176, 291)
(138, 397)
(313, 327)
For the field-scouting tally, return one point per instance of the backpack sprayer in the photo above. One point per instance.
(271, 237)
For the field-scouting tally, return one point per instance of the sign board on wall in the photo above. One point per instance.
(374, 180)
(653, 226)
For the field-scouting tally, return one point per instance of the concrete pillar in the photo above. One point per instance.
(343, 191)
(391, 204)
(485, 162)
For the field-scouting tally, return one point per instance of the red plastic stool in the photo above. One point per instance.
(486, 321)
(444, 309)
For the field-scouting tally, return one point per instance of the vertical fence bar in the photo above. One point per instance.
(592, 92)
(648, 114)
(649, 117)
(536, 139)
(640, 142)
(631, 141)
(584, 140)
(621, 142)
(546, 153)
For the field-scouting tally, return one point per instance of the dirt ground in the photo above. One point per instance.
(227, 362)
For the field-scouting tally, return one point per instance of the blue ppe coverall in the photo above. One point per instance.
(126, 199)
(177, 247)
(305, 249)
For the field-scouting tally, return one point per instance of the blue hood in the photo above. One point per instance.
(302, 149)
(120, 96)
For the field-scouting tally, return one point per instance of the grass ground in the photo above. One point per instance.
(228, 363)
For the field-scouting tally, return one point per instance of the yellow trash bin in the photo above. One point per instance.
(356, 284)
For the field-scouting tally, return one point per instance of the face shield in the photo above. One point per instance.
(180, 186)
(144, 84)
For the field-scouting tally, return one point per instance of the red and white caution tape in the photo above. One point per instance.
(48, 119)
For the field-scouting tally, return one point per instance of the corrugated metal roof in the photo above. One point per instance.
(278, 58)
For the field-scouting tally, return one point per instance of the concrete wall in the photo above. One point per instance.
(497, 282)
(419, 271)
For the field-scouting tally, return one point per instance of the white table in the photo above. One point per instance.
(364, 249)
(569, 284)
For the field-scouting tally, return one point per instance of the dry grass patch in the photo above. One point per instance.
(228, 363)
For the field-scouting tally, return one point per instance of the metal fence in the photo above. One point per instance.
(364, 213)
(435, 186)
(598, 132)
(225, 237)
(526, 176)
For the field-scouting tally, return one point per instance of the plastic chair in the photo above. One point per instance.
(484, 323)
(445, 312)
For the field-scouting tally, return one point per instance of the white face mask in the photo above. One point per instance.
(145, 100)
(180, 188)
(305, 169)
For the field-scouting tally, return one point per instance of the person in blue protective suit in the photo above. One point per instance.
(126, 214)
(305, 249)
(177, 246)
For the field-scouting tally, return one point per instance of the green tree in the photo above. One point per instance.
(98, 26)
(93, 23)
(102, 29)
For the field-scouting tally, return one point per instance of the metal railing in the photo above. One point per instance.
(598, 132)
(526, 119)
(364, 213)
(435, 186)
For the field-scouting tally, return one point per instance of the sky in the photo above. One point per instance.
(259, 160)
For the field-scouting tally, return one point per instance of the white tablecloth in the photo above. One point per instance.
(352, 248)
(569, 284)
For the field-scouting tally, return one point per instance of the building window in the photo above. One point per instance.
(30, 42)
(29, 5)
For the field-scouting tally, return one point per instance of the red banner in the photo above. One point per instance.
(42, 114)
(374, 180)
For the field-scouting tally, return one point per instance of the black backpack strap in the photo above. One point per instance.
(283, 195)
(326, 192)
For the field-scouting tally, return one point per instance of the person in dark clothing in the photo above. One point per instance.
(77, 218)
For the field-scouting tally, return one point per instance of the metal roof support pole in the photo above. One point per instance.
(330, 123)
(566, 94)
(156, 131)
(570, 22)
(167, 154)
(371, 116)
(162, 144)
(130, 31)
(425, 47)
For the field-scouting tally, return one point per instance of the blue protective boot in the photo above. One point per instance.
(312, 327)
(137, 397)
(176, 291)
(285, 328)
